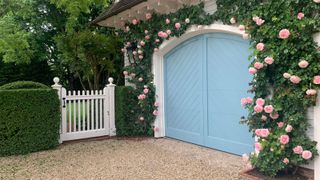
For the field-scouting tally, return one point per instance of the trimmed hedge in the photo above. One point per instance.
(23, 85)
(126, 116)
(29, 120)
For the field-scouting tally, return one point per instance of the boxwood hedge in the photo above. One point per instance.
(29, 120)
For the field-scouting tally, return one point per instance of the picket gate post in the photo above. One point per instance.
(111, 97)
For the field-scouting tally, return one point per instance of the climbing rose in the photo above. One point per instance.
(258, 65)
(254, 18)
(148, 16)
(134, 52)
(303, 64)
(125, 73)
(306, 155)
(280, 124)
(284, 34)
(286, 161)
(134, 21)
(264, 133)
(187, 20)
(140, 52)
(242, 27)
(141, 118)
(264, 118)
(295, 79)
(142, 43)
(258, 147)
(167, 21)
(260, 46)
(155, 113)
(177, 25)
(168, 31)
(243, 101)
(127, 29)
(316, 80)
(147, 37)
(298, 150)
(156, 104)
(259, 21)
(258, 108)
(269, 60)
(274, 116)
(232, 20)
(268, 109)
(289, 128)
(284, 139)
(245, 36)
(146, 31)
(157, 40)
(140, 57)
(316, 1)
(142, 97)
(252, 70)
(162, 34)
(300, 15)
(140, 79)
(249, 100)
(145, 91)
(286, 75)
(245, 157)
(311, 92)
(258, 132)
(260, 101)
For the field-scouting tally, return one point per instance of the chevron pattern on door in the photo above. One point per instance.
(205, 78)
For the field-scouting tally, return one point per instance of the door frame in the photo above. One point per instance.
(158, 64)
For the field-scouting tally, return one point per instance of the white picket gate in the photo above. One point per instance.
(86, 114)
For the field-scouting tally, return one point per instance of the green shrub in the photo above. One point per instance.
(127, 119)
(29, 120)
(23, 85)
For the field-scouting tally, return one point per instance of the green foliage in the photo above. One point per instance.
(29, 120)
(289, 100)
(23, 85)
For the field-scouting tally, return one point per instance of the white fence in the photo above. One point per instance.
(86, 114)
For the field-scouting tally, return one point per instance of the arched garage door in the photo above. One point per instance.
(205, 78)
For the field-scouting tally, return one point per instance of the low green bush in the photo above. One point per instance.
(127, 117)
(29, 120)
(23, 85)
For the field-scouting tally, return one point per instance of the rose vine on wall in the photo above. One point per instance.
(285, 68)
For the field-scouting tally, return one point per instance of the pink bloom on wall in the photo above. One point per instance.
(177, 25)
(316, 80)
(140, 79)
(258, 147)
(163, 34)
(306, 155)
(258, 108)
(245, 157)
(142, 97)
(258, 65)
(249, 100)
(316, 1)
(284, 34)
(146, 31)
(286, 161)
(127, 29)
(141, 118)
(128, 43)
(295, 79)
(148, 16)
(147, 37)
(140, 57)
(155, 113)
(242, 27)
(260, 46)
(298, 150)
(233, 20)
(125, 73)
(168, 21)
(140, 52)
(280, 124)
(258, 132)
(260, 101)
(269, 60)
(300, 15)
(255, 18)
(260, 21)
(287, 75)
(268, 109)
(145, 86)
(134, 21)
(142, 43)
(134, 53)
(252, 70)
(264, 118)
(303, 64)
(284, 139)
(243, 101)
(146, 91)
(274, 116)
(156, 104)
(289, 128)
(168, 31)
(157, 40)
(311, 92)
(264, 133)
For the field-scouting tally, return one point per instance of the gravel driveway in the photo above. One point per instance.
(124, 159)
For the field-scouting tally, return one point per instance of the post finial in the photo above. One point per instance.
(110, 80)
(56, 80)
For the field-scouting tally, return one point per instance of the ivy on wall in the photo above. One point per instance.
(285, 67)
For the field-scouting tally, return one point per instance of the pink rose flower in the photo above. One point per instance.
(286, 161)
(260, 101)
(242, 27)
(268, 109)
(146, 91)
(274, 116)
(316, 1)
(252, 70)
(258, 132)
(280, 124)
(264, 133)
(147, 37)
(145, 86)
(127, 29)
(155, 113)
(311, 92)
(284, 139)
(295, 79)
(133, 75)
(140, 52)
(177, 25)
(303, 64)
(259, 21)
(284, 34)
(142, 97)
(287, 75)
(134, 53)
(249, 100)
(269, 60)
(148, 16)
(258, 65)
(233, 20)
(140, 79)
(156, 104)
(243, 101)
(289, 128)
(298, 150)
(146, 31)
(168, 21)
(134, 21)
(255, 18)
(306, 155)
(140, 57)
(258, 108)
(128, 43)
(316, 80)
(245, 157)
(168, 31)
(142, 43)
(258, 147)
(300, 15)
(125, 73)
(260, 46)
(264, 118)
(141, 118)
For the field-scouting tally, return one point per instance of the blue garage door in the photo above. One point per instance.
(205, 78)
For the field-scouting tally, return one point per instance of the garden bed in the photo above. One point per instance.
(302, 174)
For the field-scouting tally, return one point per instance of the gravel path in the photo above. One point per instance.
(124, 159)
